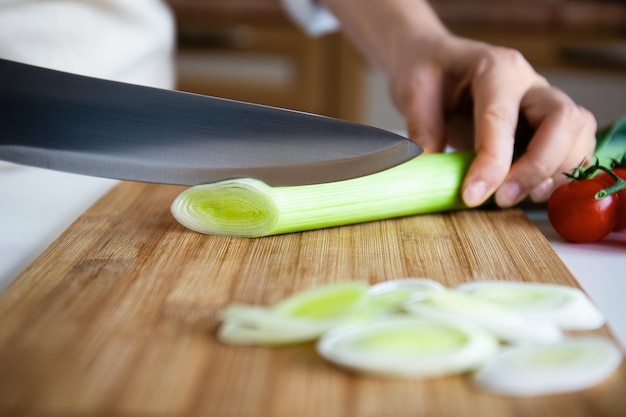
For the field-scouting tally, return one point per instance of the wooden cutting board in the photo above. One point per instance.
(117, 317)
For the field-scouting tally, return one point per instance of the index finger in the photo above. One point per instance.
(499, 83)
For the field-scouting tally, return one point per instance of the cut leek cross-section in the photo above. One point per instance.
(567, 307)
(409, 347)
(573, 364)
(388, 297)
(304, 316)
(506, 324)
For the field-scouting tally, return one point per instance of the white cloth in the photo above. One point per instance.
(309, 15)
(122, 40)
(125, 40)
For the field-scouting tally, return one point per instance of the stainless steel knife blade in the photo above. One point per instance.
(96, 127)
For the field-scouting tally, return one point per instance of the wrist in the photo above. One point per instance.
(382, 29)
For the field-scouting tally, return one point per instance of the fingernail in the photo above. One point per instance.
(508, 194)
(475, 193)
(542, 191)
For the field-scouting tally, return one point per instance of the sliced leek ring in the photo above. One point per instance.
(249, 325)
(389, 296)
(508, 325)
(236, 332)
(570, 365)
(302, 317)
(327, 302)
(408, 347)
(568, 307)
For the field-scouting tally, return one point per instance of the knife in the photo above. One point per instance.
(67, 122)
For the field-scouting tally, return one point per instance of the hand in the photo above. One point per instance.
(431, 72)
(430, 84)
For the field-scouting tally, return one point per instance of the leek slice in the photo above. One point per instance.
(568, 307)
(388, 297)
(302, 317)
(328, 302)
(250, 208)
(573, 364)
(508, 325)
(408, 347)
(246, 325)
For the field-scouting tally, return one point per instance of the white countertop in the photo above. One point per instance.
(38, 205)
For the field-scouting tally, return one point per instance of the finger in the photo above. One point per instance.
(564, 137)
(581, 155)
(498, 87)
(581, 123)
(422, 106)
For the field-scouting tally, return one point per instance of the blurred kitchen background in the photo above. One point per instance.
(248, 50)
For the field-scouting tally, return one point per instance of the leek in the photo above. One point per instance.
(388, 297)
(574, 364)
(567, 307)
(611, 142)
(250, 208)
(302, 317)
(409, 347)
(508, 325)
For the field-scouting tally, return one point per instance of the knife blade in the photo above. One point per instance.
(73, 123)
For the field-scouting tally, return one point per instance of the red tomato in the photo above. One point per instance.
(576, 215)
(607, 180)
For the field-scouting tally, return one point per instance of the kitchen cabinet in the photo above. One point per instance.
(249, 50)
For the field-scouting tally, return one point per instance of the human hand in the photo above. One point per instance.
(431, 72)
(431, 83)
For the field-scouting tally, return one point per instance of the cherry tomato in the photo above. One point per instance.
(576, 215)
(607, 180)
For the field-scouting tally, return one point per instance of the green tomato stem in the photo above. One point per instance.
(619, 184)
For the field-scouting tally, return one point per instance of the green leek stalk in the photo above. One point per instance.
(250, 208)
(429, 183)
(611, 142)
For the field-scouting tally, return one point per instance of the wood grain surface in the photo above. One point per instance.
(117, 317)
